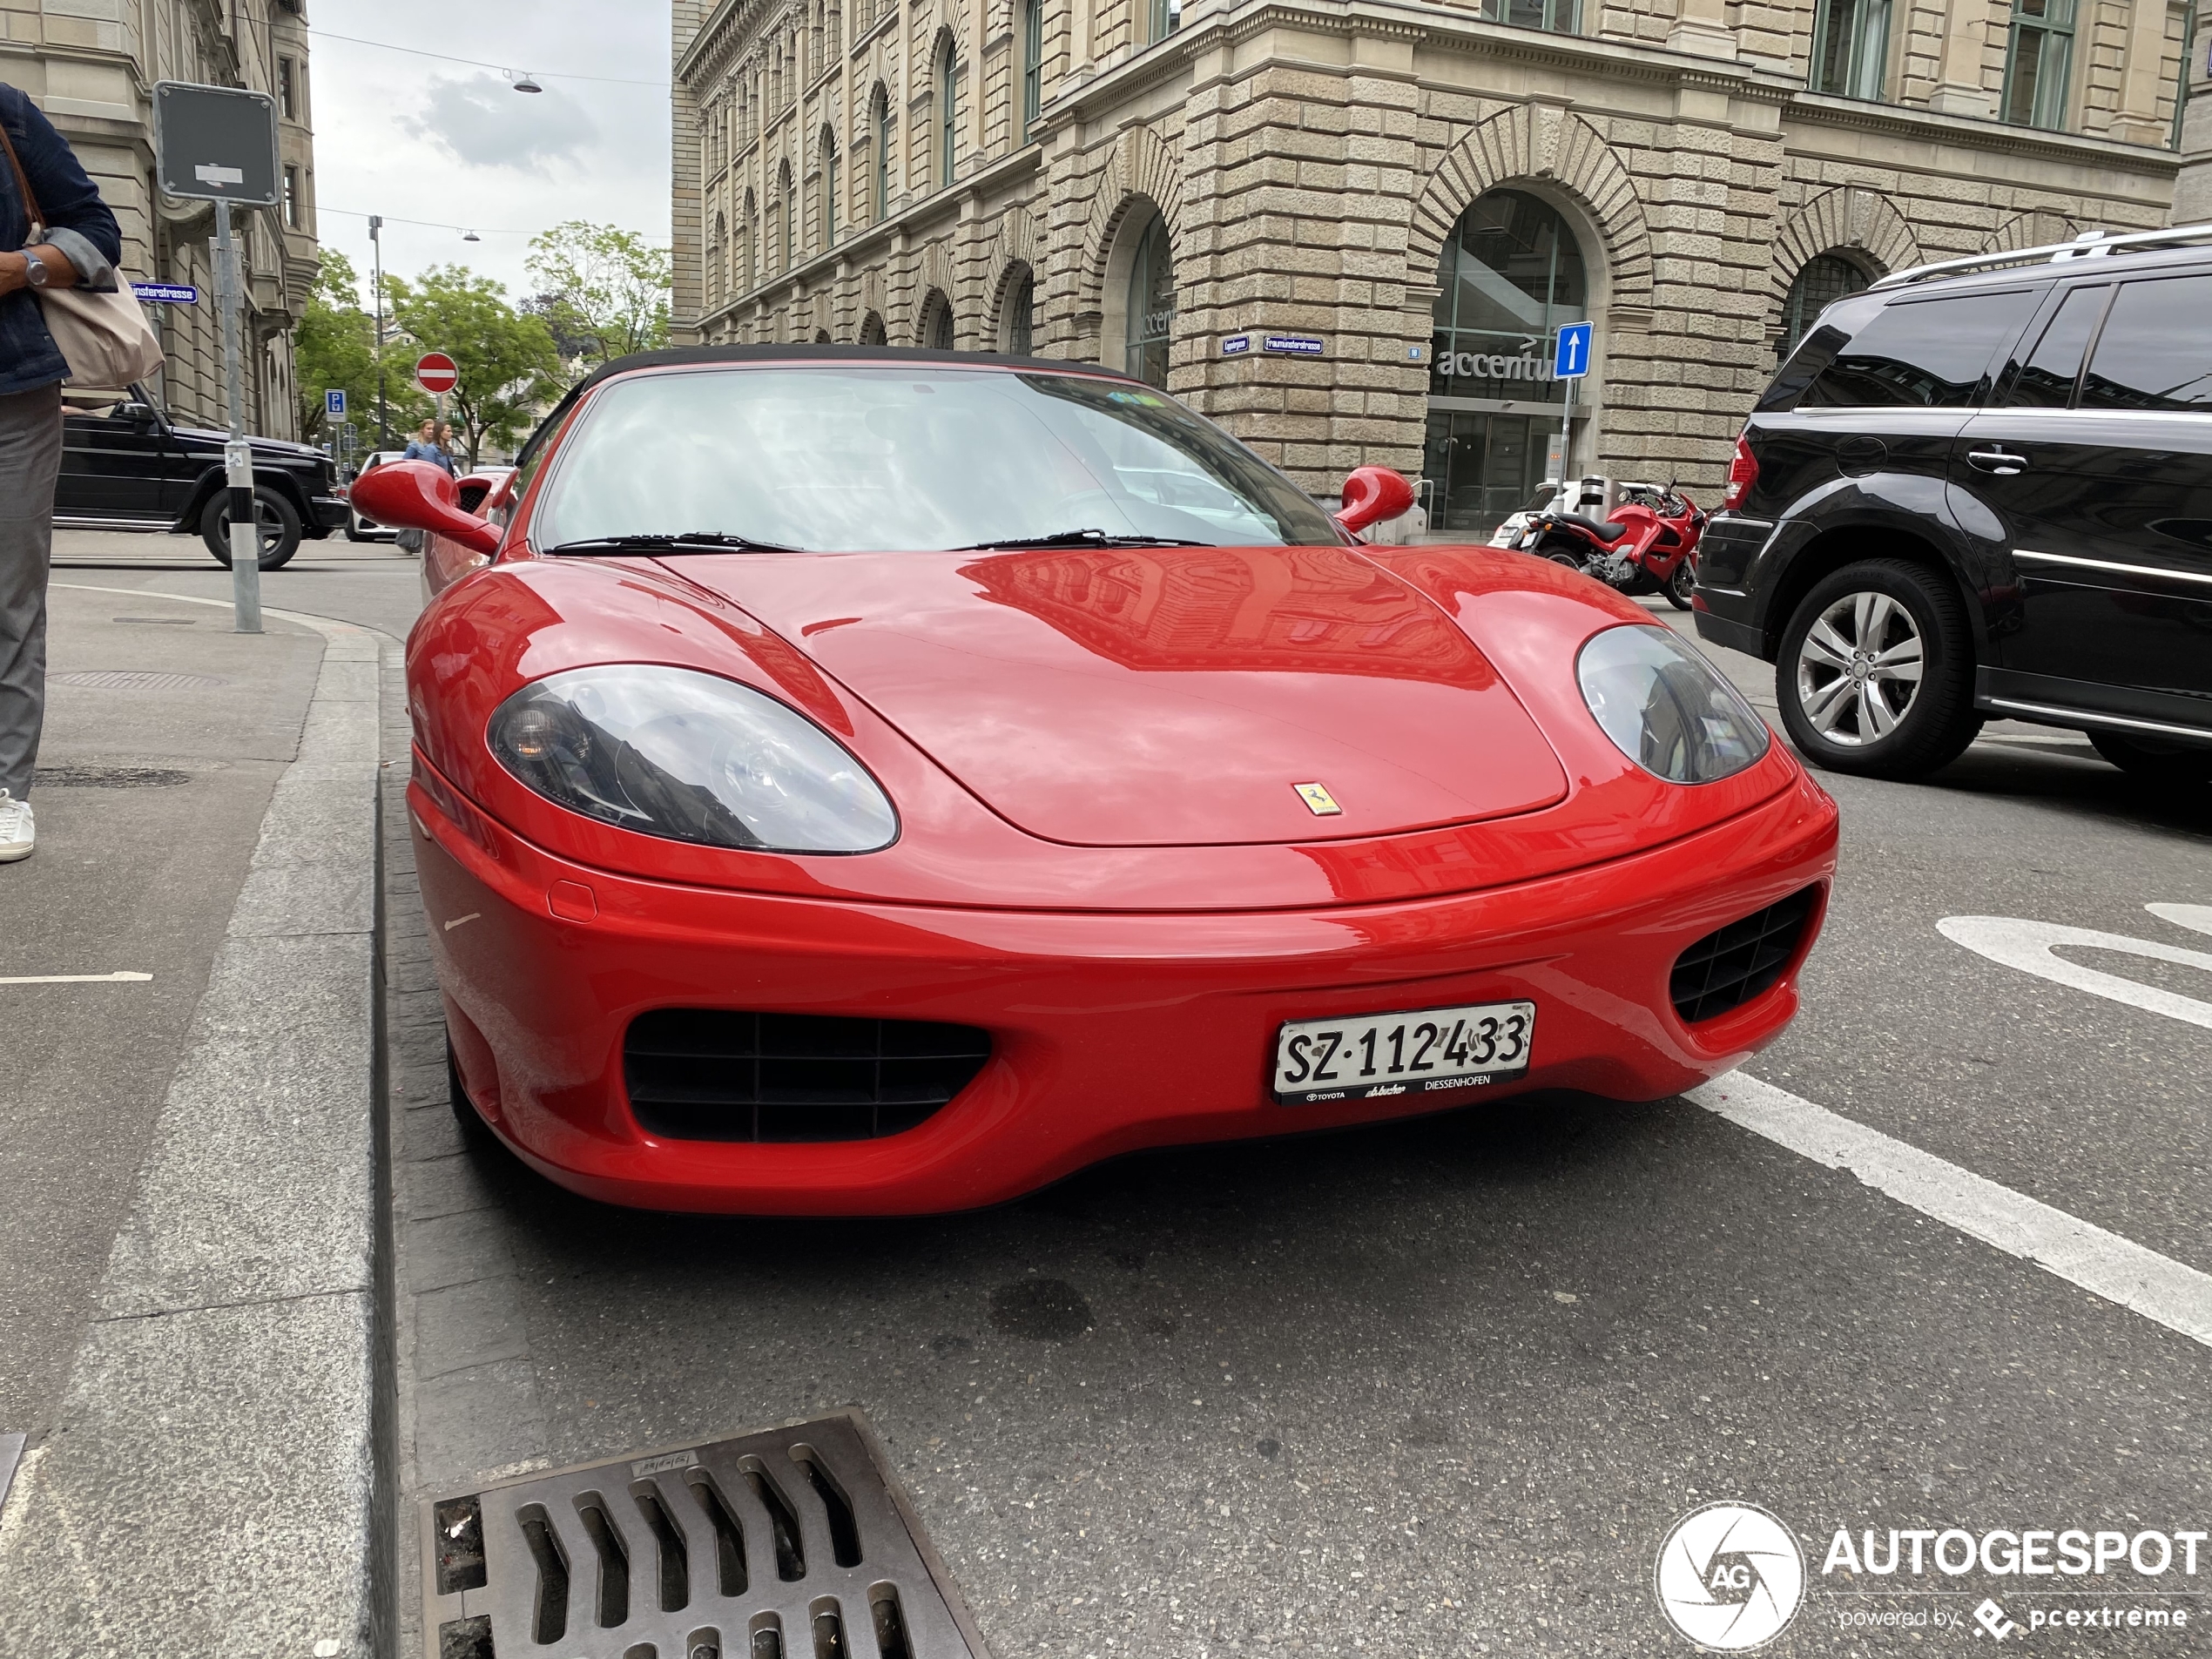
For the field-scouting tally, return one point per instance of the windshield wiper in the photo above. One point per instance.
(1080, 538)
(705, 541)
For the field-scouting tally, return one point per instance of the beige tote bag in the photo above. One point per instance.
(104, 337)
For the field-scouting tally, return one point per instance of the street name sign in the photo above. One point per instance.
(436, 372)
(215, 143)
(166, 293)
(1292, 345)
(1571, 351)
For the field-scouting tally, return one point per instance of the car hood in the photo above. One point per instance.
(1165, 697)
(261, 446)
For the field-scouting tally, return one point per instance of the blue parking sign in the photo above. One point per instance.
(333, 403)
(1571, 351)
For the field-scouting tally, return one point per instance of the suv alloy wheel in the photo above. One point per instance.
(279, 522)
(1876, 672)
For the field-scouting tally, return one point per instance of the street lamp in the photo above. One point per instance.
(526, 84)
(383, 412)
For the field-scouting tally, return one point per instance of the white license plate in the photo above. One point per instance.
(1430, 1051)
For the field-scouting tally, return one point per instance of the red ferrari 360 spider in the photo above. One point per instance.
(860, 781)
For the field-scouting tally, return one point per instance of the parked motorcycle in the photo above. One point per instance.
(1648, 545)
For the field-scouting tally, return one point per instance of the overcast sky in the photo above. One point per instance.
(414, 138)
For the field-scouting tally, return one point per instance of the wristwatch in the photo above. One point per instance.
(34, 270)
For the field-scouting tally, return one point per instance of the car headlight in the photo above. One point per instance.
(690, 757)
(1666, 707)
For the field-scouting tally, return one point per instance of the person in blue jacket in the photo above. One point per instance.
(78, 246)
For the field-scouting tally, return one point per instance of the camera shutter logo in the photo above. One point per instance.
(1730, 1577)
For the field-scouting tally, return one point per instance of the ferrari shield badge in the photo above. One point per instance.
(1318, 800)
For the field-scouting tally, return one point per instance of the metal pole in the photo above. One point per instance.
(1566, 435)
(376, 245)
(238, 454)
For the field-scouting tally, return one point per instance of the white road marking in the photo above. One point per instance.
(474, 915)
(2026, 945)
(78, 979)
(2196, 916)
(2104, 1264)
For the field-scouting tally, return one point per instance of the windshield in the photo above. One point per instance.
(897, 458)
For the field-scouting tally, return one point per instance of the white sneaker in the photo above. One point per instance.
(17, 831)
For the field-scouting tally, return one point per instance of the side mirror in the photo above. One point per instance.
(1372, 495)
(415, 496)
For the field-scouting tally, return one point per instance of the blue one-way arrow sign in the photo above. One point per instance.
(1571, 351)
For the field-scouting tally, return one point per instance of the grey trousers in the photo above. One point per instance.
(30, 458)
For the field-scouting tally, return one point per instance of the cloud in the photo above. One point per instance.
(483, 122)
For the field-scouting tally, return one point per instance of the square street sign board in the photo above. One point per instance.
(215, 143)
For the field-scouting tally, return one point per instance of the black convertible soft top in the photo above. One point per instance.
(682, 356)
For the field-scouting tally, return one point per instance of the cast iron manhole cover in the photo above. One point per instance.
(133, 680)
(793, 1543)
(108, 777)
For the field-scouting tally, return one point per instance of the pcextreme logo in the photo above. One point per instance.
(1730, 1577)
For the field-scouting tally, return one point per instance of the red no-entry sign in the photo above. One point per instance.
(436, 372)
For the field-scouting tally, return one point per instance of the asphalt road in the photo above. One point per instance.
(1442, 1387)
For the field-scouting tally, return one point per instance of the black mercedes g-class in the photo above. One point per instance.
(1983, 490)
(127, 467)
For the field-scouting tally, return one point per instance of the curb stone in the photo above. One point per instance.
(214, 1481)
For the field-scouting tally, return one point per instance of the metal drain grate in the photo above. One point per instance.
(792, 1543)
(108, 777)
(132, 679)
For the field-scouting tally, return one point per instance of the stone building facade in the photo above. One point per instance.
(1345, 228)
(92, 66)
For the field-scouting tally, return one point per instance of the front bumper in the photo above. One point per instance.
(1111, 1032)
(327, 513)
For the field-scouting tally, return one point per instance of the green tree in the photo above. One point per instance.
(605, 288)
(334, 345)
(508, 367)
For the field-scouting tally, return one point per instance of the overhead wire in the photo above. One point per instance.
(478, 62)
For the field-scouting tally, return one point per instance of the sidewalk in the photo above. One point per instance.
(188, 1320)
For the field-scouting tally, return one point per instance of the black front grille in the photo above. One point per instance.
(710, 1074)
(1726, 969)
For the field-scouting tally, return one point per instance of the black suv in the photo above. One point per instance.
(1983, 490)
(127, 467)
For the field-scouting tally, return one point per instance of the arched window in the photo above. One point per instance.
(829, 187)
(936, 330)
(1032, 67)
(1511, 273)
(871, 330)
(1017, 314)
(750, 230)
(948, 112)
(821, 337)
(1826, 278)
(790, 212)
(1151, 306)
(880, 119)
(836, 32)
(716, 260)
(818, 42)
